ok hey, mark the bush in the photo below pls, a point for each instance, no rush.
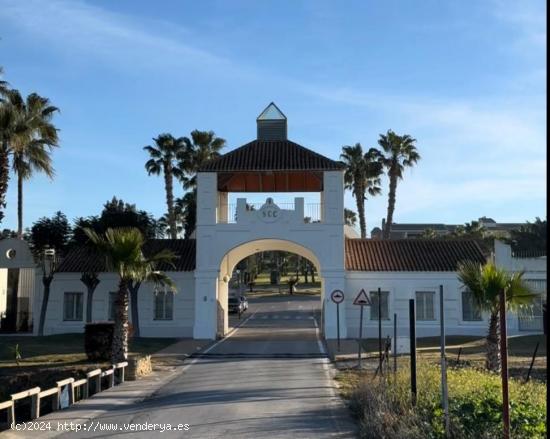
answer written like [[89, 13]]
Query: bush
[[98, 338], [384, 408]]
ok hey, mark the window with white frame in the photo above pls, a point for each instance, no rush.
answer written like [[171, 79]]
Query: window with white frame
[[164, 305], [425, 305], [112, 306], [531, 316], [471, 312], [73, 306], [384, 305]]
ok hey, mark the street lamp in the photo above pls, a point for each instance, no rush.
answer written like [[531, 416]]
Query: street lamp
[[49, 261]]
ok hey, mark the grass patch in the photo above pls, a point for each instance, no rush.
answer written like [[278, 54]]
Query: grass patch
[[383, 406], [64, 348], [54, 357]]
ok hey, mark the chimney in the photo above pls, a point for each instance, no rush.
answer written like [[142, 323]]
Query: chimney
[[271, 124]]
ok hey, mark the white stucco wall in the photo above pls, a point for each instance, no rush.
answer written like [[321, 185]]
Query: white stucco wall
[[180, 326], [322, 242]]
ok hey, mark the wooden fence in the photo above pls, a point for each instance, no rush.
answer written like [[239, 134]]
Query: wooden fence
[[65, 387]]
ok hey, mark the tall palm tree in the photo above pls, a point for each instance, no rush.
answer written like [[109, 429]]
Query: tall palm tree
[[401, 153], [123, 252], [362, 177], [165, 155], [186, 208], [202, 147], [33, 143], [485, 282], [8, 129]]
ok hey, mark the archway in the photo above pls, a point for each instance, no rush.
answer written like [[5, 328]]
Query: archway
[[236, 254]]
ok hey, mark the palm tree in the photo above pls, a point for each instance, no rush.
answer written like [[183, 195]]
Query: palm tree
[[485, 283], [164, 158], [201, 148], [32, 143], [350, 217], [186, 208], [362, 176], [123, 252], [8, 127], [401, 153]]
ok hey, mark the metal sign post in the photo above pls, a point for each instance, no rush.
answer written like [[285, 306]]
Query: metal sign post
[[361, 300], [412, 331], [504, 368], [380, 329], [337, 296], [444, 390]]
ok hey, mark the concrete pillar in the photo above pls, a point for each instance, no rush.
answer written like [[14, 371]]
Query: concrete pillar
[[206, 286], [333, 197], [207, 198], [223, 207], [299, 209]]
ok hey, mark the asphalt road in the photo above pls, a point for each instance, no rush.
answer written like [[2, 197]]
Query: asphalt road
[[269, 379]]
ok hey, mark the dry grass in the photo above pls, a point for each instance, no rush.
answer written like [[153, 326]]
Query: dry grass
[[383, 406], [472, 354]]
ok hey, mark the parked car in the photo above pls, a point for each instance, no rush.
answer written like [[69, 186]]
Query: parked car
[[235, 305], [244, 301]]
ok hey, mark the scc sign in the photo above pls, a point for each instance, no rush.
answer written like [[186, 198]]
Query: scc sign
[[269, 212]]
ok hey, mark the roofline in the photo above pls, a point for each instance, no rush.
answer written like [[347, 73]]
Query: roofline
[[340, 165]]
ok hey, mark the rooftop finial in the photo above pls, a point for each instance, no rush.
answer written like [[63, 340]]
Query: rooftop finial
[[271, 124]]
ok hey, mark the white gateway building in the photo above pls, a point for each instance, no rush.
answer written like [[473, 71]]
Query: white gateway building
[[229, 230]]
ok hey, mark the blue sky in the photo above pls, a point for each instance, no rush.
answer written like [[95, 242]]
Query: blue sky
[[467, 79]]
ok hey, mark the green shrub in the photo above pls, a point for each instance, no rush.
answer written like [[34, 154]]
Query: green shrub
[[475, 405], [98, 338]]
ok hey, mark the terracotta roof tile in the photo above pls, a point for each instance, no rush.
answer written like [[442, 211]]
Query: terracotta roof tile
[[279, 155], [85, 259], [410, 254]]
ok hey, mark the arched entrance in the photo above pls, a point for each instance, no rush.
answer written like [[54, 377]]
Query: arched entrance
[[229, 230], [237, 254]]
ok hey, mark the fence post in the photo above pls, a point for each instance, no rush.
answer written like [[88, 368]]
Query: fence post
[[395, 343], [412, 329], [9, 406]]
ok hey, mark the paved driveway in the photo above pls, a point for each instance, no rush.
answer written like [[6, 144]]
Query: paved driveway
[[268, 379]]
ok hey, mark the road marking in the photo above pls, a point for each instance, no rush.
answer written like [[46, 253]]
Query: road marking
[[216, 344]]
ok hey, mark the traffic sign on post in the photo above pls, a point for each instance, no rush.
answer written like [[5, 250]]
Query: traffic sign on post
[[337, 296], [362, 299]]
